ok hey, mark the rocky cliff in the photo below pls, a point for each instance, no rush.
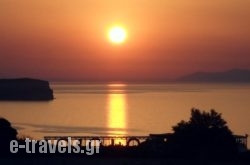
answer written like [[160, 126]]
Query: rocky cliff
[[25, 89]]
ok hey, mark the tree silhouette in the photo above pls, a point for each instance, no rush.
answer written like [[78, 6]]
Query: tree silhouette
[[206, 134], [7, 133]]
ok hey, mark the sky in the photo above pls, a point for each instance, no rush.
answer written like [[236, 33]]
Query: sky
[[64, 40]]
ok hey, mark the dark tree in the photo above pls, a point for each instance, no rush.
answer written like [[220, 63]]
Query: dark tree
[[205, 135], [7, 133]]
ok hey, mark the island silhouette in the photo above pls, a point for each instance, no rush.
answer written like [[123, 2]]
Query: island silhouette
[[25, 89], [229, 76]]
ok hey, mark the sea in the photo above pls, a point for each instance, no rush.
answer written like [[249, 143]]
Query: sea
[[121, 109]]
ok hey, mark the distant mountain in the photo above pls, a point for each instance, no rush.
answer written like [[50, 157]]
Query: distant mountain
[[231, 76]]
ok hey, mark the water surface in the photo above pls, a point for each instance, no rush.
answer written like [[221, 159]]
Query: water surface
[[126, 109]]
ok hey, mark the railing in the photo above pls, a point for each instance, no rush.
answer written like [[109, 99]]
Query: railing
[[126, 140], [105, 140], [241, 140]]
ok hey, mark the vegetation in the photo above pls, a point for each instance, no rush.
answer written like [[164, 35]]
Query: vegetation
[[205, 135], [7, 133]]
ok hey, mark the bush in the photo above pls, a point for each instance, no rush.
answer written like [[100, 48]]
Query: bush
[[205, 135], [7, 133]]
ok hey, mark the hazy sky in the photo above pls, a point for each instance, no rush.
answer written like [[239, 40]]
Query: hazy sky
[[67, 39]]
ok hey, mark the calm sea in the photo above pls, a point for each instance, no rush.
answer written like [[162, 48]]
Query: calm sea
[[126, 109]]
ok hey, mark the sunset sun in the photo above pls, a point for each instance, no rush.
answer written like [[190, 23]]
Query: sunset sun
[[117, 35]]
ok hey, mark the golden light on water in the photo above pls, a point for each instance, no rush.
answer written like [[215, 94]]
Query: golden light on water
[[117, 113]]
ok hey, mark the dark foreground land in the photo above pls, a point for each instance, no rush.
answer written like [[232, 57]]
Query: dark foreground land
[[117, 161], [195, 142]]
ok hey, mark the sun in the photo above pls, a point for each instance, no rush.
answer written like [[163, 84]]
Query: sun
[[117, 34]]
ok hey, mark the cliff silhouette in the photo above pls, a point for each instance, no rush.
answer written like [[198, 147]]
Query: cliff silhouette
[[25, 89]]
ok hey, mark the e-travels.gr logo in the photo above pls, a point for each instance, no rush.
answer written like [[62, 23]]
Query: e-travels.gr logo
[[62, 146]]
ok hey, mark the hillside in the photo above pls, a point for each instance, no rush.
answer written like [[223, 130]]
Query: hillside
[[231, 76]]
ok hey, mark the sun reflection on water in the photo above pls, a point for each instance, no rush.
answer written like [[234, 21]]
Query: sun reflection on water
[[117, 112]]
